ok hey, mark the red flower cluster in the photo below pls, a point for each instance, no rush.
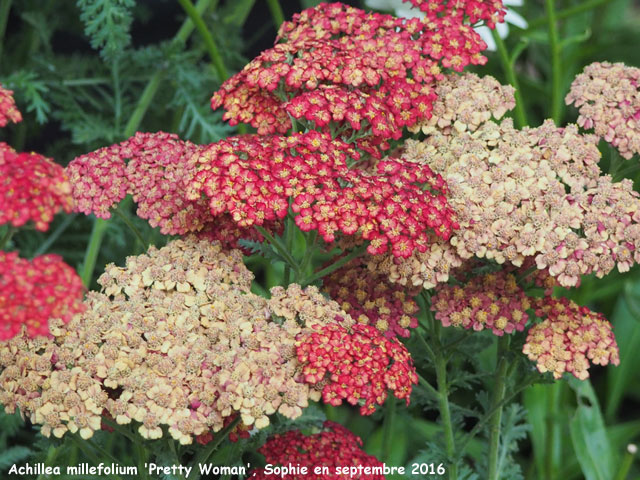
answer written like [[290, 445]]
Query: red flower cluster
[[254, 179], [8, 110], [34, 292], [351, 70], [371, 299], [490, 301], [358, 365], [334, 446], [489, 11], [569, 338], [32, 187]]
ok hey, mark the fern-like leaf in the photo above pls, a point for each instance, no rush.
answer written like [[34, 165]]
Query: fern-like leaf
[[107, 24]]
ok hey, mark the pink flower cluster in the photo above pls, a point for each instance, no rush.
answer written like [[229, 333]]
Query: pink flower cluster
[[32, 188], [489, 11], [34, 292], [371, 299], [492, 301], [333, 446], [607, 97], [569, 338], [356, 364], [8, 110], [255, 179]]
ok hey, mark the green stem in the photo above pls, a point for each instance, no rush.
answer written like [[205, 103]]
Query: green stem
[[141, 455], [174, 454], [276, 12], [68, 220], [310, 247], [143, 104], [93, 248], [425, 383], [5, 7], [84, 446], [567, 12], [556, 67], [4, 241], [334, 266], [279, 246], [388, 427], [445, 412], [212, 48], [498, 397], [120, 429], [132, 227], [204, 454], [487, 416], [626, 463], [507, 66], [52, 453]]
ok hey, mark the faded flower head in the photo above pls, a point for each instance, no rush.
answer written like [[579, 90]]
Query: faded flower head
[[35, 292], [569, 339], [537, 193], [607, 97], [8, 110], [176, 340], [333, 446], [32, 188], [493, 301]]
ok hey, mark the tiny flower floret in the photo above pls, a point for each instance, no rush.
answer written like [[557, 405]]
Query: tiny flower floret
[[8, 110]]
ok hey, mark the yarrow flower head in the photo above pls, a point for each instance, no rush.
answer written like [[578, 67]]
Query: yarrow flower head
[[569, 339], [32, 188], [254, 179], [333, 446], [35, 292], [607, 97], [177, 340], [372, 300], [493, 301], [340, 68], [535, 193], [8, 110]]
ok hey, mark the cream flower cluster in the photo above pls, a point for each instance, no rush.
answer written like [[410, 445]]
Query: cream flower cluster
[[176, 342], [535, 193], [607, 97]]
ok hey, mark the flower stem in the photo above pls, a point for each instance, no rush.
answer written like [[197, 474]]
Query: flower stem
[[445, 411], [334, 266], [276, 12], [132, 227], [280, 247], [497, 403], [556, 67], [388, 428], [212, 48], [93, 248], [5, 7], [55, 235], [4, 241], [507, 66], [213, 445], [568, 12], [626, 463]]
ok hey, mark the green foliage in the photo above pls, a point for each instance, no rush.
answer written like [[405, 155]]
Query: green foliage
[[107, 23]]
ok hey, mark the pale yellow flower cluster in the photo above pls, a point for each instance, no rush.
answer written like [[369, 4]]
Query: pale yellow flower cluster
[[535, 192], [176, 342], [607, 97], [464, 102]]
